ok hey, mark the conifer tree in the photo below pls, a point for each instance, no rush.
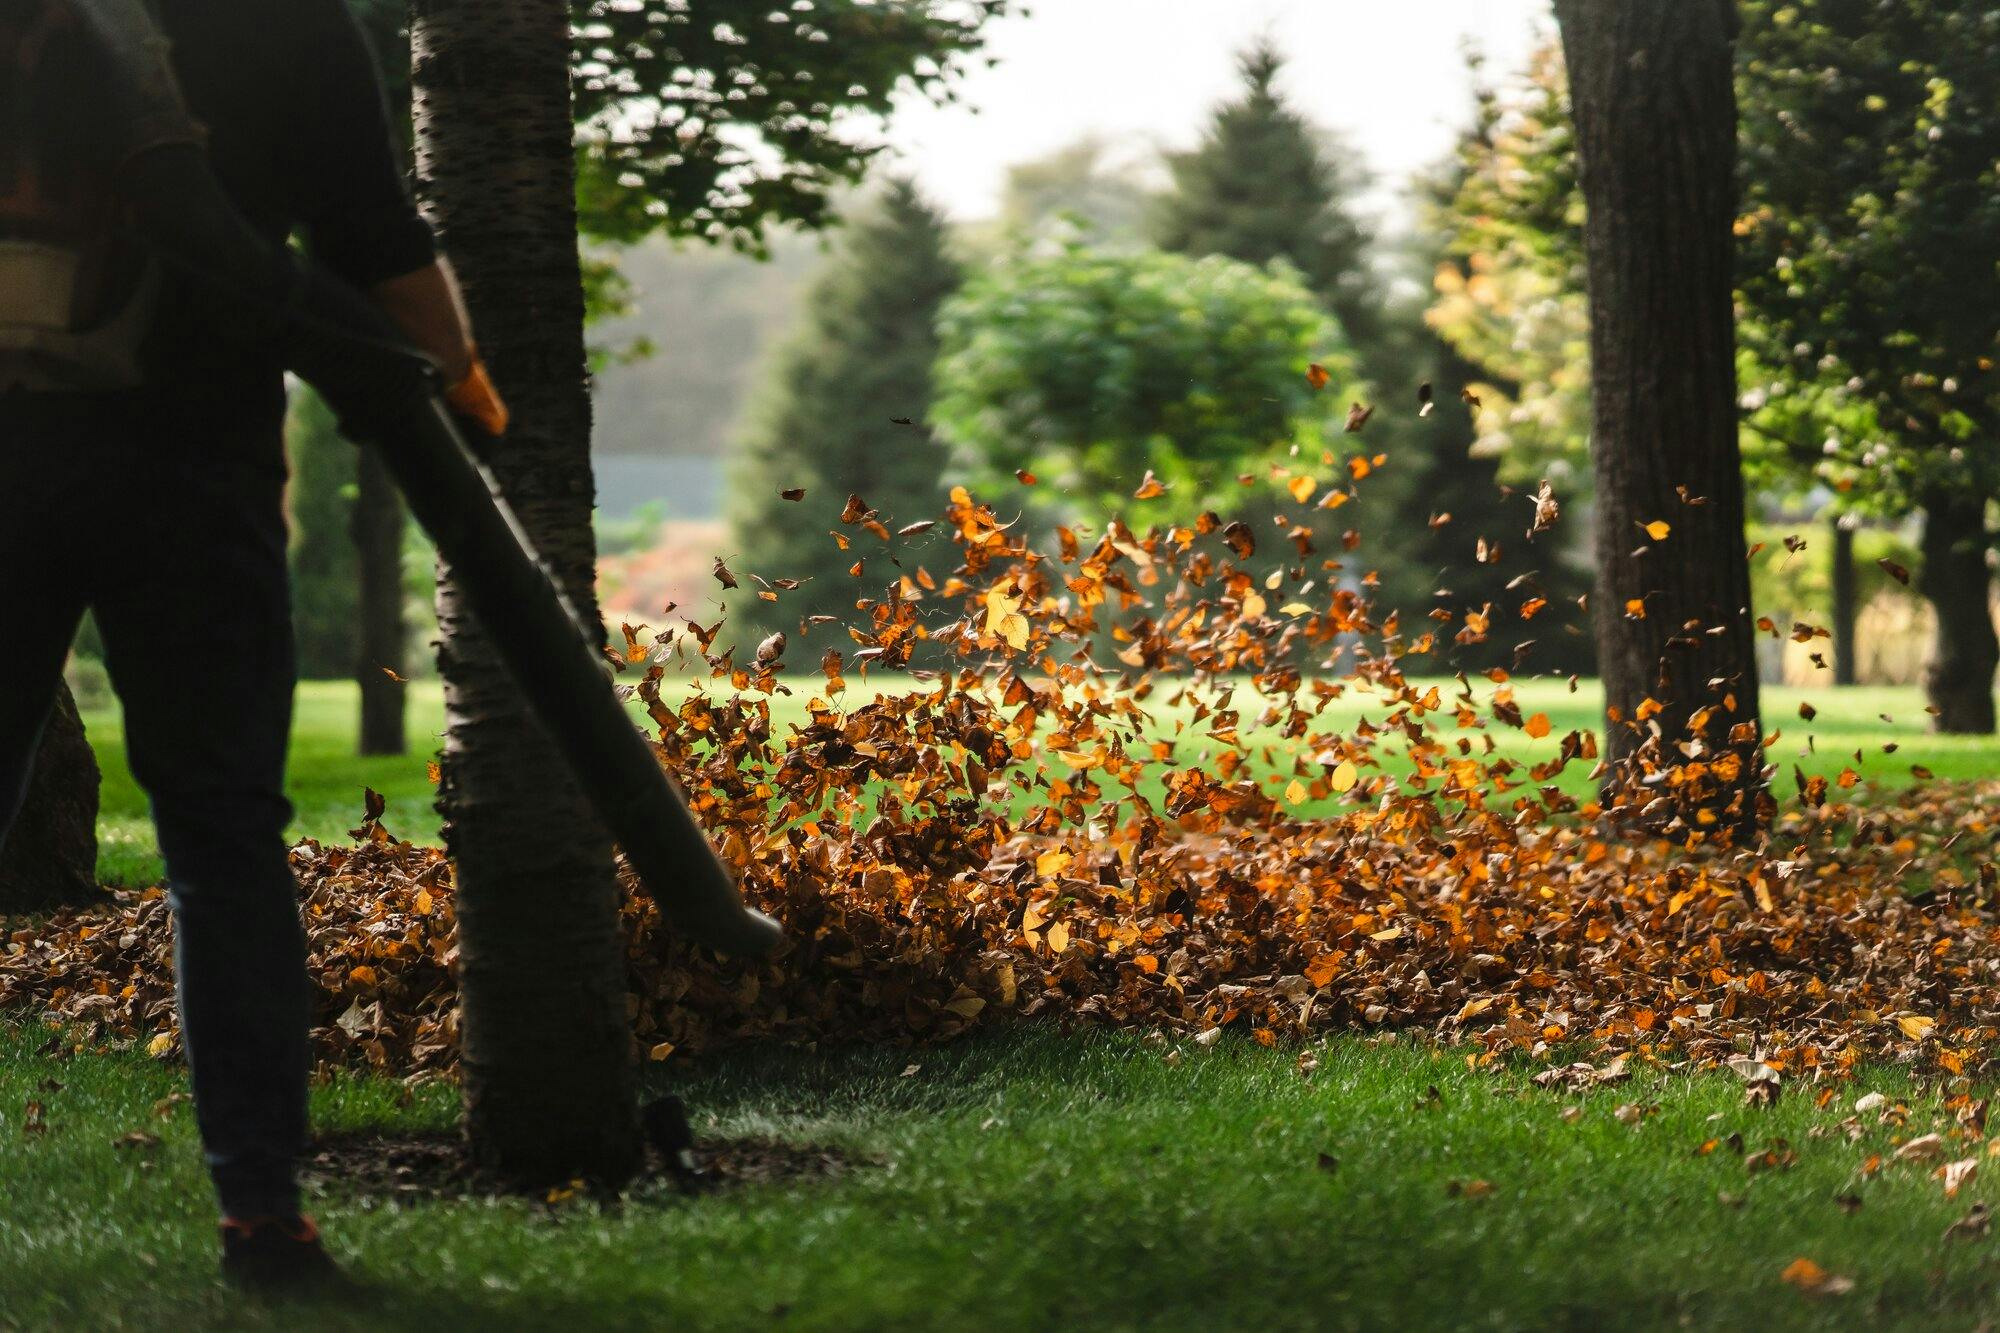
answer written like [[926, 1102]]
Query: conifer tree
[[1261, 185], [841, 415]]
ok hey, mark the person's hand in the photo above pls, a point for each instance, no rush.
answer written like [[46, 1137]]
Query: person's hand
[[476, 400]]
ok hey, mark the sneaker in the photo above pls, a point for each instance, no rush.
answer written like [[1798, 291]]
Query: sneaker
[[277, 1255]]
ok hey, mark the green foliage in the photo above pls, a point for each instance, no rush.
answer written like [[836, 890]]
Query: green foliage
[[325, 567], [1509, 289], [711, 118], [1870, 163], [826, 421], [1871, 155], [1090, 368]]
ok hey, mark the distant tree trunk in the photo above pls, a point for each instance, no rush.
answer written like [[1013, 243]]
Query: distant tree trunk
[[1655, 114], [546, 1043], [378, 542], [1958, 680], [50, 859], [1845, 604]]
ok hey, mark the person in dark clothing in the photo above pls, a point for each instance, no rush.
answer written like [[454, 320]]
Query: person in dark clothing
[[159, 508]]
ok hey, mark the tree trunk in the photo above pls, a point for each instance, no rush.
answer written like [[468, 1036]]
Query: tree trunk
[[546, 1044], [50, 858], [377, 528], [1845, 604], [1958, 680], [1655, 115]]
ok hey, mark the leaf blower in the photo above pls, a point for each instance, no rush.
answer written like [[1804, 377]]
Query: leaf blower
[[73, 288]]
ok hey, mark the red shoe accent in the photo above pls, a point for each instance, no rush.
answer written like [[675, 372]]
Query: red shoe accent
[[300, 1228]]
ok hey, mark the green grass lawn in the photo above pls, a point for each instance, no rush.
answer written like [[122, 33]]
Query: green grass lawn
[[1031, 1180], [1037, 1181], [327, 778]]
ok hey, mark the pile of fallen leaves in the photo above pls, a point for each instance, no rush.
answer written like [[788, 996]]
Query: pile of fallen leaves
[[1565, 939], [1114, 796]]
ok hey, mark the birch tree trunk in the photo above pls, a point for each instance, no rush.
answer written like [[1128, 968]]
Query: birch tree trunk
[[547, 1047]]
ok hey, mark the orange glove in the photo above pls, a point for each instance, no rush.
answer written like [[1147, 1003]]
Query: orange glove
[[475, 399]]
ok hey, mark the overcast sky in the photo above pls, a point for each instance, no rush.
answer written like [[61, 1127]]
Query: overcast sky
[[1389, 74]]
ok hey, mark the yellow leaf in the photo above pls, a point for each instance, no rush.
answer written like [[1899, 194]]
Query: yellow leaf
[[160, 1045], [1915, 1027], [661, 1052], [1058, 937], [423, 902], [1657, 529], [1302, 488], [1537, 726], [1296, 792], [1345, 776]]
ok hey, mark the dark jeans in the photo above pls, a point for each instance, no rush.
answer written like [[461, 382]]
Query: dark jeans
[[165, 515]]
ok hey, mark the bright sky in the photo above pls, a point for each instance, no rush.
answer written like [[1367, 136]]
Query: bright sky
[[1389, 74]]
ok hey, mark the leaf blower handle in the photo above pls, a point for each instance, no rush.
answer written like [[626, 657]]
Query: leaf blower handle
[[389, 396]]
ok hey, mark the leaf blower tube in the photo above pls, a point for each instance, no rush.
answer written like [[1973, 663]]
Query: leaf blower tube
[[386, 395]]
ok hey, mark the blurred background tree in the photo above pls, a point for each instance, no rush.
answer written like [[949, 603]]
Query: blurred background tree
[[1087, 187], [1090, 369], [826, 422], [1266, 184]]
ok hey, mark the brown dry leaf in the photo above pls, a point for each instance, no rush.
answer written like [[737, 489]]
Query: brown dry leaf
[[1923, 1148]]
